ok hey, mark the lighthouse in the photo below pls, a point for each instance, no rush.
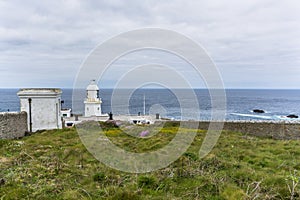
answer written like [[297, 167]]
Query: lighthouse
[[93, 101]]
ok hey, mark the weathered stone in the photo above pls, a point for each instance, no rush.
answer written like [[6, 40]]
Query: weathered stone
[[13, 125], [276, 130]]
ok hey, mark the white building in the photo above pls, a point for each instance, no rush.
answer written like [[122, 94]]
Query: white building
[[66, 112], [43, 107], [93, 101]]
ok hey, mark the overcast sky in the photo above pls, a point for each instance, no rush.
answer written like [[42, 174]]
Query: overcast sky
[[254, 43]]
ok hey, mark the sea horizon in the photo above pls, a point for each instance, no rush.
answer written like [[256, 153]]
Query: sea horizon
[[240, 103]]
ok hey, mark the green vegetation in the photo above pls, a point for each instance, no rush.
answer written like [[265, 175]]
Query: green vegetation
[[56, 165]]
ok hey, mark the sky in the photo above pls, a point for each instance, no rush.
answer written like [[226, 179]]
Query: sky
[[253, 43]]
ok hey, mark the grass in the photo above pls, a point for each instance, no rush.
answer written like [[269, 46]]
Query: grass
[[55, 165]]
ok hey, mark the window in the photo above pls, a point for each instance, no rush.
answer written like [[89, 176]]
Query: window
[[69, 124]]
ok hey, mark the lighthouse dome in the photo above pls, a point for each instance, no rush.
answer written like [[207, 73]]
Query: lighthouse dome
[[92, 86]]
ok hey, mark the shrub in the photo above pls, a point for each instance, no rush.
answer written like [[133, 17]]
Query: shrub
[[232, 192], [99, 177], [126, 195], [191, 156], [147, 181], [109, 125]]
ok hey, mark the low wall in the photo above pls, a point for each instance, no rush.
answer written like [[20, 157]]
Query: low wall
[[13, 125], [276, 130]]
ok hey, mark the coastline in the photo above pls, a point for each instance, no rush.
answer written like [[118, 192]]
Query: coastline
[[277, 129]]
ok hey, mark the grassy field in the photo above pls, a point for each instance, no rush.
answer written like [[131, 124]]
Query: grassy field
[[56, 165]]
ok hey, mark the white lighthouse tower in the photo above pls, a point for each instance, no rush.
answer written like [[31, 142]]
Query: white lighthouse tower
[[93, 101]]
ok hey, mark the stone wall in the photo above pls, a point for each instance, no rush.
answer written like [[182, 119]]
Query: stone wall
[[276, 130], [13, 125]]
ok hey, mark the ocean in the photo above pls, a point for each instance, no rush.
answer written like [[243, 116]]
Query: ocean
[[240, 103]]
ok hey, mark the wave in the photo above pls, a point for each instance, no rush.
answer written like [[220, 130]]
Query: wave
[[273, 117], [253, 116], [265, 111], [285, 118]]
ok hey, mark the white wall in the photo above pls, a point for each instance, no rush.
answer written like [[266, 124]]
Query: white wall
[[66, 113], [45, 110], [92, 109]]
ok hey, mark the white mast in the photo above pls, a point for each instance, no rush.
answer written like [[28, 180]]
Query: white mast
[[144, 105]]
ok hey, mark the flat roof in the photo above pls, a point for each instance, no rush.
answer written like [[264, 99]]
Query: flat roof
[[39, 92]]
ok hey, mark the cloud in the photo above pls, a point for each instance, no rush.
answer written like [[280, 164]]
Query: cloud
[[43, 43]]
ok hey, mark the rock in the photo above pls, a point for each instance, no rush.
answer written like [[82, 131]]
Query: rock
[[258, 111], [292, 116]]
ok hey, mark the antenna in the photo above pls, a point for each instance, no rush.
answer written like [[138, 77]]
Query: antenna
[[144, 105]]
